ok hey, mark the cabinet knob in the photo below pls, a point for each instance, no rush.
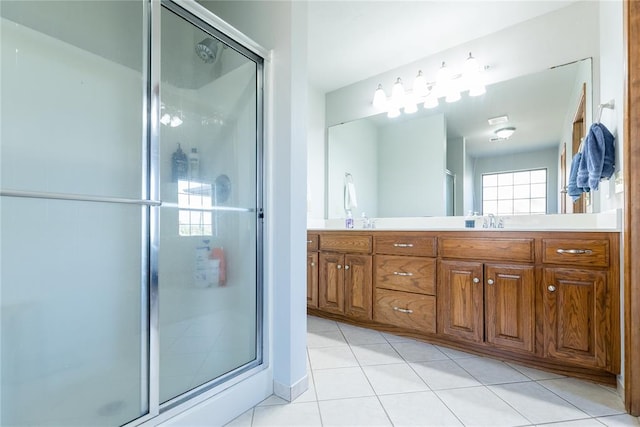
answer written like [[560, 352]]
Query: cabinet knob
[[490, 281], [346, 267], [476, 280], [339, 267], [313, 264], [551, 288], [309, 241]]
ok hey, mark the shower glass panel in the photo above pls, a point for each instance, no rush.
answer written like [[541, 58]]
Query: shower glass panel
[[208, 242], [73, 346]]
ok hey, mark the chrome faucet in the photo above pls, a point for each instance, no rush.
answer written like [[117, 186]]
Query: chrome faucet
[[492, 221], [366, 223]]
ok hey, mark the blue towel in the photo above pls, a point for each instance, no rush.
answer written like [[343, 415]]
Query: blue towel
[[598, 157], [572, 188]]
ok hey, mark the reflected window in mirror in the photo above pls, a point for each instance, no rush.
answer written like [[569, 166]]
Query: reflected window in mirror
[[515, 193]]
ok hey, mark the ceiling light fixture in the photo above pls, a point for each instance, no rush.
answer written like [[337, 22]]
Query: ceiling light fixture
[[446, 85], [505, 133]]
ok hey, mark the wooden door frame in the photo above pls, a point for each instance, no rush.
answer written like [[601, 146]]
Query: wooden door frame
[[631, 177]]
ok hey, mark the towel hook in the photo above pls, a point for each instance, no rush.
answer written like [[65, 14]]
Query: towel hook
[[611, 105]]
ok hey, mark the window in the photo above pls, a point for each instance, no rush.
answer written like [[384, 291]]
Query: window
[[515, 193], [194, 208]]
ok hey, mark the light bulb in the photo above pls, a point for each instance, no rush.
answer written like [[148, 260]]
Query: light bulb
[[420, 88], [165, 119], [431, 101], [397, 94], [379, 98], [175, 121], [443, 81], [393, 112], [410, 106], [473, 76]]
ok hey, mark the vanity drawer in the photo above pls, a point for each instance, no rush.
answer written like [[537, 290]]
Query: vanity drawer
[[406, 245], [510, 249], [345, 243], [405, 273], [576, 252], [411, 311], [312, 242]]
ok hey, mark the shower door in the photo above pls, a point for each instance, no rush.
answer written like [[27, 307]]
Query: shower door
[[209, 225], [73, 213], [130, 210]]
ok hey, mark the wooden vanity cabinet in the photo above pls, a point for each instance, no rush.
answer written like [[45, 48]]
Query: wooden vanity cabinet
[[484, 302], [490, 303], [345, 279], [548, 299], [580, 300], [312, 270], [405, 281]]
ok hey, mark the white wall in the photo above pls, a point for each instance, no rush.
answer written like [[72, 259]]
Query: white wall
[[411, 168], [353, 149], [455, 163], [612, 72], [547, 158], [315, 156]]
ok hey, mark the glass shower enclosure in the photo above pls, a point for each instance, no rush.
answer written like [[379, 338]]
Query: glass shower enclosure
[[130, 210]]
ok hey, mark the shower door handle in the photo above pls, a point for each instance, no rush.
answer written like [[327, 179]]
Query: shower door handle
[[79, 198]]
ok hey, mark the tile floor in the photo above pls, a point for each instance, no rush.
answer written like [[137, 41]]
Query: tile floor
[[360, 377]]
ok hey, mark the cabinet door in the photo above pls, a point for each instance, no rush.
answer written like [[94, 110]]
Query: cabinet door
[[460, 295], [576, 316], [510, 306], [312, 279], [358, 286], [331, 283]]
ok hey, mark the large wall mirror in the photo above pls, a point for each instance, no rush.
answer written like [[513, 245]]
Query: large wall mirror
[[432, 162]]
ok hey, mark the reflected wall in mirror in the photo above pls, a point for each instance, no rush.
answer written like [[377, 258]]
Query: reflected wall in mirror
[[403, 167]]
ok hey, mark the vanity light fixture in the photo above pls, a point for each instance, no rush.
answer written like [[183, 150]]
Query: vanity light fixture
[[446, 85], [505, 133]]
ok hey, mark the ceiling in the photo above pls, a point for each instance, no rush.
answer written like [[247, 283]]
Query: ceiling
[[352, 40]]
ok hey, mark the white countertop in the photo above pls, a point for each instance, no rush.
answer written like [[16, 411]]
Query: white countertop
[[604, 222]]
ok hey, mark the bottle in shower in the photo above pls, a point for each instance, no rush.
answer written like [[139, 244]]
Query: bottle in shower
[[194, 164]]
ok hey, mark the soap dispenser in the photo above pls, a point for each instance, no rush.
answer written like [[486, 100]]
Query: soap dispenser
[[348, 222]]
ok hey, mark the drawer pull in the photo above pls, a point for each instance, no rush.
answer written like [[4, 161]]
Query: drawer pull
[[403, 310], [574, 251], [309, 241], [403, 245], [402, 273]]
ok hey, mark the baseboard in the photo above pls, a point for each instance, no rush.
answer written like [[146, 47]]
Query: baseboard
[[291, 393]]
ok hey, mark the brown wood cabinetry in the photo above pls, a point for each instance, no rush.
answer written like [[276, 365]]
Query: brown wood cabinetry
[[405, 281], [547, 299], [345, 279], [488, 303], [581, 302], [312, 279], [312, 270]]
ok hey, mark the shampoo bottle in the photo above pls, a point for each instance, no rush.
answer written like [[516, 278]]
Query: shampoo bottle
[[194, 164]]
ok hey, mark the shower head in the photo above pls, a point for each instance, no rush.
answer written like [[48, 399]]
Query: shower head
[[207, 50]]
